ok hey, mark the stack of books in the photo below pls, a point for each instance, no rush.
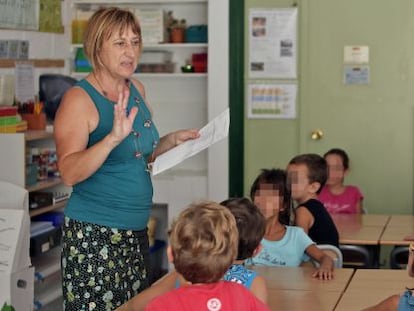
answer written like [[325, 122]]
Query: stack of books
[[9, 120]]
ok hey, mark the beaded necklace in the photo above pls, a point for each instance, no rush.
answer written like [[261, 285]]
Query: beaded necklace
[[147, 124]]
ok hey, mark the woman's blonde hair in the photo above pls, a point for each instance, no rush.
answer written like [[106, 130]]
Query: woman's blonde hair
[[204, 242], [101, 25]]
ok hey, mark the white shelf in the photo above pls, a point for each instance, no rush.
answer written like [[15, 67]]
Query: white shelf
[[49, 208], [47, 183], [48, 295], [161, 45], [137, 1], [47, 264], [153, 75]]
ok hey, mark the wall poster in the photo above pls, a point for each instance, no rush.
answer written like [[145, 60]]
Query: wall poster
[[19, 14], [272, 100], [272, 43]]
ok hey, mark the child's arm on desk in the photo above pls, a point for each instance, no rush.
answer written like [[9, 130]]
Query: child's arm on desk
[[259, 288], [325, 270], [410, 264]]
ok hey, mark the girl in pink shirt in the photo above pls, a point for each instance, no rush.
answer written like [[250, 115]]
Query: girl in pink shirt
[[337, 197]]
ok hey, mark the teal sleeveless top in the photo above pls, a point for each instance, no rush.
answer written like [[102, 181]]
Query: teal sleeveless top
[[119, 193]]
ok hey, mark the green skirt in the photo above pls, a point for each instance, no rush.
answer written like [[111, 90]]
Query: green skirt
[[102, 267]]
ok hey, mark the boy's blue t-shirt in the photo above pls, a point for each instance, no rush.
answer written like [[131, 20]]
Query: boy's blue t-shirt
[[288, 252]]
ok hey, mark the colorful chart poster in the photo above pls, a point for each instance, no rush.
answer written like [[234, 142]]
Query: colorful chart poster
[[272, 101]]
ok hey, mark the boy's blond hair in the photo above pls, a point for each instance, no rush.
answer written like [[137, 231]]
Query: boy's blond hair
[[204, 241]]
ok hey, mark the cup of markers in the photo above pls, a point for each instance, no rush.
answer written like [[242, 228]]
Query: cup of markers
[[33, 113]]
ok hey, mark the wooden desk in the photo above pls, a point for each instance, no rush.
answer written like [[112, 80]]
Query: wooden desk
[[370, 286], [402, 221], [300, 278], [345, 220], [395, 235], [398, 227], [360, 229], [299, 300]]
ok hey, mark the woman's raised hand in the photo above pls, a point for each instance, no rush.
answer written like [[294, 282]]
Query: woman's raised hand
[[122, 119]]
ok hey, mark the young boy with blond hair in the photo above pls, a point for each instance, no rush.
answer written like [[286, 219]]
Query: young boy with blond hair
[[203, 245]]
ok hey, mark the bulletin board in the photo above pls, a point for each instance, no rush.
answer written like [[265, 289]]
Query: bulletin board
[[19, 14]]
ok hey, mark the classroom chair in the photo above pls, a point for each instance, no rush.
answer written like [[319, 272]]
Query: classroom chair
[[399, 257], [52, 87], [332, 251], [356, 256]]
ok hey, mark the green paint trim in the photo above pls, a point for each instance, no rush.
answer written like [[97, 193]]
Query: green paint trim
[[236, 100]]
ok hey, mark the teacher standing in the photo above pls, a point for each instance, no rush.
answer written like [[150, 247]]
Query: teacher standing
[[105, 138]]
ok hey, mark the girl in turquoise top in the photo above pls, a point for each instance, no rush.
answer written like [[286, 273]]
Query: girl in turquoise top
[[105, 139]]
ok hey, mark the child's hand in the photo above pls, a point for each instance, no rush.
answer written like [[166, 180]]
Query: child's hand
[[323, 274]]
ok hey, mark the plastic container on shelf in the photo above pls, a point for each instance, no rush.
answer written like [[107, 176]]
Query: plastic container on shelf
[[6, 90], [196, 34], [78, 29]]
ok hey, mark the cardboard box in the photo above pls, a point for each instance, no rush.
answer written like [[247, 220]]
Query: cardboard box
[[17, 289]]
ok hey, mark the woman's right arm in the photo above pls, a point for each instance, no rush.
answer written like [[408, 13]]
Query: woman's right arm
[[72, 126]]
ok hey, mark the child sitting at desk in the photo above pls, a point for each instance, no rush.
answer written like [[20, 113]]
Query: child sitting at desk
[[403, 302], [283, 245], [307, 175], [203, 245], [251, 227], [335, 196]]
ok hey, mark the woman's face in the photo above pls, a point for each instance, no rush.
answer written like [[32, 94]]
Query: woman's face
[[268, 200], [120, 53]]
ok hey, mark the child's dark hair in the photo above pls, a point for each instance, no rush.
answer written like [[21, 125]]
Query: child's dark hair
[[317, 168], [340, 153], [250, 223], [278, 179]]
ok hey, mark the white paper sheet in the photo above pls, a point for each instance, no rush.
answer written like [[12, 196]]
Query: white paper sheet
[[213, 132]]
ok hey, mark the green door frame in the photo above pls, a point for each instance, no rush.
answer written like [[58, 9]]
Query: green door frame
[[236, 100]]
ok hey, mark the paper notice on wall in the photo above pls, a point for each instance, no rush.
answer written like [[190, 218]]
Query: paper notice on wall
[[213, 132], [272, 43], [24, 82]]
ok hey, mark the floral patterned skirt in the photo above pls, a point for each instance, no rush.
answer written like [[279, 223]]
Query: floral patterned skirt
[[102, 267]]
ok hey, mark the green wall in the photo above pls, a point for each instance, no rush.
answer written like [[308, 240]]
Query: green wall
[[373, 122], [267, 143]]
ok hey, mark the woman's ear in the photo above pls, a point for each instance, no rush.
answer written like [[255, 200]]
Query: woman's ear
[[170, 254]]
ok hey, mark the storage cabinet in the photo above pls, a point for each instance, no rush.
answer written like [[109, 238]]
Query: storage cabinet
[[13, 169]]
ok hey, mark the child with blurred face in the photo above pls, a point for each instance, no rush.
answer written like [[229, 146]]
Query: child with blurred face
[[283, 245]]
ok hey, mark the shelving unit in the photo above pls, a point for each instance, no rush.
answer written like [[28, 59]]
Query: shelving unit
[[38, 63], [12, 168]]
